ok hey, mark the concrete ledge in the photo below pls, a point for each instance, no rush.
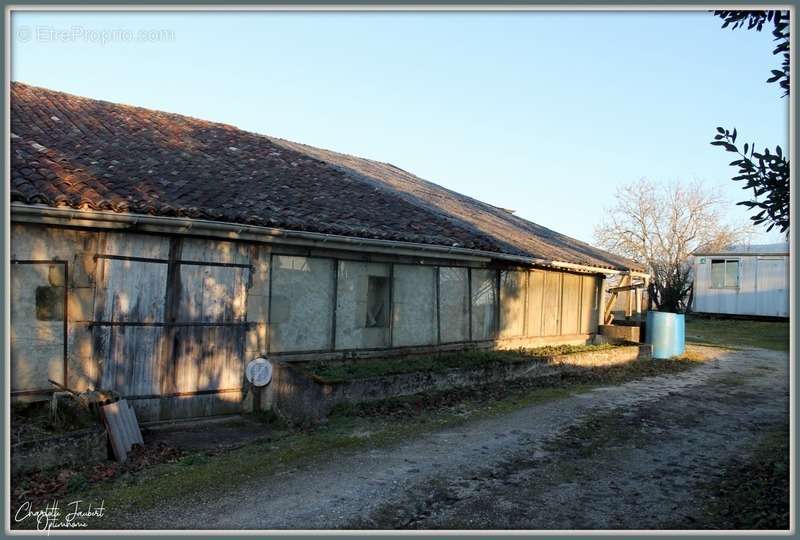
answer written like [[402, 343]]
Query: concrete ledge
[[302, 398], [74, 448], [615, 333], [491, 344]]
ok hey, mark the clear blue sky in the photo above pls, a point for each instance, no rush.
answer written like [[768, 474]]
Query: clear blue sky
[[545, 113]]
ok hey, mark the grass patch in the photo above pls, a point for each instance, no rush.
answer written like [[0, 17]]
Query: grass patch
[[621, 373], [332, 372], [594, 434], [753, 493], [738, 333]]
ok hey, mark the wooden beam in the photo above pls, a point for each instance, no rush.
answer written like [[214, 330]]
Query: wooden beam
[[626, 287], [609, 307]]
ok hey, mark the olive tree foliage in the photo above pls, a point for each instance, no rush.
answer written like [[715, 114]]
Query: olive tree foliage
[[659, 226], [765, 173]]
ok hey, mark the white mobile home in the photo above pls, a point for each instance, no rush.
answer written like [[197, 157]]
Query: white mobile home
[[743, 280]]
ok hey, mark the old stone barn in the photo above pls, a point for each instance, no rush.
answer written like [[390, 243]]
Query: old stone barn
[[156, 254]]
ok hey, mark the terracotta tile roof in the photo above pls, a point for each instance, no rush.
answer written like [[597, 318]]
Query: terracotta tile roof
[[78, 152]]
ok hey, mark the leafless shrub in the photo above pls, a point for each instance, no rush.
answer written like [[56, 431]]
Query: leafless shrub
[[660, 225]]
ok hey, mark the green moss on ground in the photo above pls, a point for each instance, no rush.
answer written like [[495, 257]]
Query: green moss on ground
[[738, 333], [338, 371], [753, 493]]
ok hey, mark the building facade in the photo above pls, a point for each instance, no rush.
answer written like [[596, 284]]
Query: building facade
[[743, 280], [155, 255]]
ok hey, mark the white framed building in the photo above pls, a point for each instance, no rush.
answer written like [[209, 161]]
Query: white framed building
[[742, 280]]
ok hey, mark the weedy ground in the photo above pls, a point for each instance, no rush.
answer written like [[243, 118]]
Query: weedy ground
[[371, 425], [363, 369], [358, 429], [738, 333]]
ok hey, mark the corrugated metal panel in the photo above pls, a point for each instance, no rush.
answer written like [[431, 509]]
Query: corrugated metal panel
[[123, 428], [762, 288], [772, 298]]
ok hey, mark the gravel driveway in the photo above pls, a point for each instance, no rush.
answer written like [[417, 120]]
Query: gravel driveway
[[624, 457]]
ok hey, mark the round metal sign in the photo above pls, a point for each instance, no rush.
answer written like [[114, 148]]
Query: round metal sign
[[259, 372]]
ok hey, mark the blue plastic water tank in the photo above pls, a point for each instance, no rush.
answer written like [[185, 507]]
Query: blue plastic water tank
[[666, 333]]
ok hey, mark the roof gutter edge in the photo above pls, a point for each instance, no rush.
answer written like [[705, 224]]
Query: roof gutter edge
[[743, 254], [21, 212]]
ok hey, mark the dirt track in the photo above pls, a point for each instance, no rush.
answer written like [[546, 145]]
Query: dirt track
[[631, 456]]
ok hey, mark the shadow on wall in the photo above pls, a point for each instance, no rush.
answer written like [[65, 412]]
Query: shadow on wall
[[126, 351]]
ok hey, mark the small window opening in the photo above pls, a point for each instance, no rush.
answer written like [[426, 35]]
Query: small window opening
[[724, 273], [50, 303], [377, 302]]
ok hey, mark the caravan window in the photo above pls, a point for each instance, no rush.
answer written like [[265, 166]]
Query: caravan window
[[724, 273]]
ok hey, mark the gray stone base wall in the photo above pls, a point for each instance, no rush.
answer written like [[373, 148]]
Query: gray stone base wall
[[302, 398], [76, 448]]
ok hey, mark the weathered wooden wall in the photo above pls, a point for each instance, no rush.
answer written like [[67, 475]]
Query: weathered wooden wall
[[171, 321]]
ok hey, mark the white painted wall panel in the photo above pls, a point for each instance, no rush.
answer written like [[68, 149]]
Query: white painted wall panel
[[763, 287]]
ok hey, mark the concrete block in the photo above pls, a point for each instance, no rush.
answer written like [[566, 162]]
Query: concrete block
[[617, 333]]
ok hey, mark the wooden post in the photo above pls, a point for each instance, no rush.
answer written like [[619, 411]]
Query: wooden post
[[601, 304]]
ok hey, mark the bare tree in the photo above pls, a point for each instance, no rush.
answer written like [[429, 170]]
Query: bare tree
[[660, 226]]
